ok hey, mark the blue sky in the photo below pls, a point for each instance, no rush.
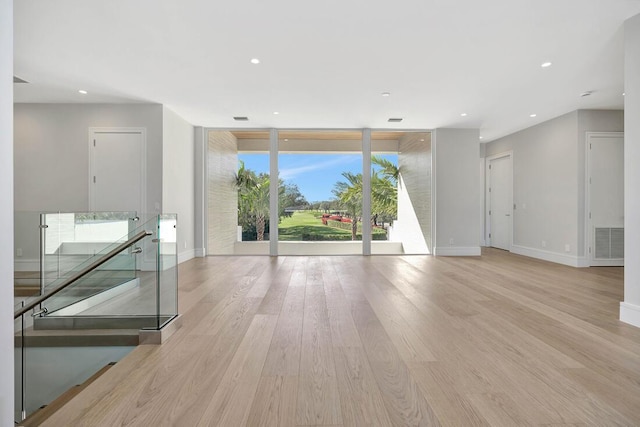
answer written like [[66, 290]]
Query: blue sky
[[315, 174]]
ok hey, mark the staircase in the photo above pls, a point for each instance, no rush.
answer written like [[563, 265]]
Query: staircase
[[46, 411], [94, 310]]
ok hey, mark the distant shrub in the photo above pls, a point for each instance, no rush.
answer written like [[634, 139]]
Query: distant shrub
[[307, 237]]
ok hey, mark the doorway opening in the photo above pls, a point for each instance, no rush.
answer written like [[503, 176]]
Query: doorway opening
[[605, 198], [499, 194]]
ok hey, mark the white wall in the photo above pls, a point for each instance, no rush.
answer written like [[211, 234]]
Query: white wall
[[545, 188], [413, 227], [549, 183], [6, 213], [51, 159], [52, 152], [457, 191], [178, 175], [630, 308], [222, 195]]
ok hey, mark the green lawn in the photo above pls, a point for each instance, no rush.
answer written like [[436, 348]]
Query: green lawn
[[307, 225]]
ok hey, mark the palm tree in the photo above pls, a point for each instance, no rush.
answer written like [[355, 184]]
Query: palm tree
[[244, 181], [387, 168], [350, 196], [384, 187], [260, 199], [253, 198]]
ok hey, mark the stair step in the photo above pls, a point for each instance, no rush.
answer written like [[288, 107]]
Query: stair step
[[79, 338], [99, 322], [46, 411], [26, 290]]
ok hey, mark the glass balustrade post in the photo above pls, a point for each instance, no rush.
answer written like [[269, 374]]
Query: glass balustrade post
[[158, 272], [23, 379]]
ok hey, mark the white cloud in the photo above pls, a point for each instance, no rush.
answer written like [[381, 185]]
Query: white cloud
[[290, 173]]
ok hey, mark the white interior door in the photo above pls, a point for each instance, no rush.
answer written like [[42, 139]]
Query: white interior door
[[500, 202], [606, 199], [117, 170]]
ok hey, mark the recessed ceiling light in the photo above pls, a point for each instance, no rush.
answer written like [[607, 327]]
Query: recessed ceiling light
[[464, 114], [532, 115], [84, 92], [481, 137], [385, 94], [276, 113], [255, 61], [623, 93], [545, 64]]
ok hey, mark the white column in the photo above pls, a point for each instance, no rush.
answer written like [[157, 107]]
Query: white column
[[6, 213], [200, 183], [630, 308], [457, 191], [273, 192], [366, 192]]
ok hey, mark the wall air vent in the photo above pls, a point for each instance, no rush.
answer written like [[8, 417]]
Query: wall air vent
[[241, 118], [395, 120], [609, 243], [19, 80]]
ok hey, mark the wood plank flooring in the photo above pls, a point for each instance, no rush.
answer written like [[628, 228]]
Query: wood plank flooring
[[496, 340]]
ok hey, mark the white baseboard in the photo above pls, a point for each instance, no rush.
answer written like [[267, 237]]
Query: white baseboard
[[200, 252], [186, 255], [26, 264], [630, 313], [608, 262], [457, 251], [558, 258], [583, 261]]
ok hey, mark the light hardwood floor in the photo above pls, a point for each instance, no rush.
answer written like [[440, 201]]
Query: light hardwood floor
[[498, 340]]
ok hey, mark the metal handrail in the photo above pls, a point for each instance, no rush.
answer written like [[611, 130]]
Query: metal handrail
[[84, 272]]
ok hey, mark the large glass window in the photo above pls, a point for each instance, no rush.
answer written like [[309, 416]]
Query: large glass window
[[401, 192], [384, 191], [238, 192], [320, 192]]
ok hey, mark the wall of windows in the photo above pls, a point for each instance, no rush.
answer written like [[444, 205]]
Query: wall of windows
[[321, 201]]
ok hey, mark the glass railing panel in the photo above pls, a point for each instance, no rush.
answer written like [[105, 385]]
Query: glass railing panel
[[27, 251], [46, 366], [95, 294], [70, 238], [167, 267], [140, 294], [19, 354]]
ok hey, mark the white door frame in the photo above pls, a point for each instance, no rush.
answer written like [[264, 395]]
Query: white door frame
[[590, 136], [143, 163], [487, 196]]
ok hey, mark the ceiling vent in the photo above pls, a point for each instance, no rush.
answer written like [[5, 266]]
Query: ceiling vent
[[19, 80], [395, 120], [241, 118]]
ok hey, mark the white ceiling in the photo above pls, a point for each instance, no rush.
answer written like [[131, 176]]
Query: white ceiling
[[324, 64]]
